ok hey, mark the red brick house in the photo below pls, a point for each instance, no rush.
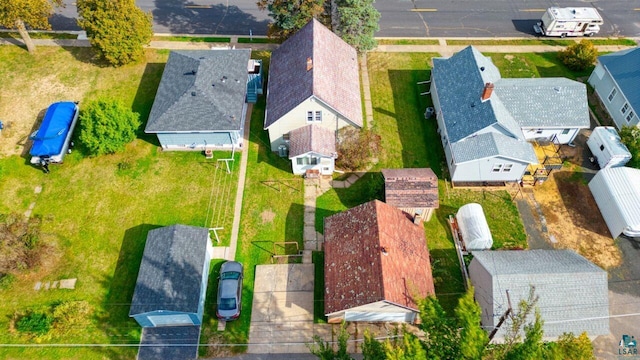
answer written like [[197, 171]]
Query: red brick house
[[376, 265]]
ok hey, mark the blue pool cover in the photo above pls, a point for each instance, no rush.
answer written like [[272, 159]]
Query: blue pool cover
[[50, 138]]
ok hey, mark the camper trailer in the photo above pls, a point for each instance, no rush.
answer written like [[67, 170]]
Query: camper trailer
[[607, 148], [574, 21], [53, 139]]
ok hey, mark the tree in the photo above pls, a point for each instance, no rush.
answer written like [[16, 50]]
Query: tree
[[118, 29], [106, 126], [473, 338], [18, 14], [357, 22], [570, 347], [630, 136], [441, 338], [290, 16], [356, 148], [579, 56], [410, 348], [324, 350]]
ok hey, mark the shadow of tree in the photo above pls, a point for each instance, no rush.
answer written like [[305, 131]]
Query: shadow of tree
[[577, 199], [187, 17], [145, 96]]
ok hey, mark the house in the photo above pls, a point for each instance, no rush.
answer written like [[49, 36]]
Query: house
[[572, 292], [312, 149], [617, 194], [486, 122], [201, 101], [607, 147], [172, 280], [414, 191], [615, 79], [376, 265], [313, 79]]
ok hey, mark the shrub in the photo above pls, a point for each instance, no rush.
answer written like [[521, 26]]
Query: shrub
[[70, 316], [356, 148], [38, 323], [106, 126], [6, 280], [630, 136], [579, 56]]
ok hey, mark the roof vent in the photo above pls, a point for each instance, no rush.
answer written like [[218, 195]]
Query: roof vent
[[383, 250], [309, 63], [224, 79], [193, 93], [556, 88], [481, 68]]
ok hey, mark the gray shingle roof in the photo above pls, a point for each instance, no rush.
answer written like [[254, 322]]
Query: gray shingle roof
[[624, 67], [334, 78], [188, 337], [548, 102], [572, 291], [312, 138], [211, 99], [170, 275], [492, 144]]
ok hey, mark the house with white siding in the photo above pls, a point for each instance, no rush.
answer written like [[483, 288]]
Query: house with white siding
[[486, 123], [615, 79]]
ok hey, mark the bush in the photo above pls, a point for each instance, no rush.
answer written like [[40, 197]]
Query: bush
[[356, 148], [71, 316], [579, 56], [106, 126], [6, 280], [630, 136], [37, 323]]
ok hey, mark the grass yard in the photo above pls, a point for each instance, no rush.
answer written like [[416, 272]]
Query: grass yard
[[97, 211], [544, 41], [408, 41], [535, 65], [192, 39]]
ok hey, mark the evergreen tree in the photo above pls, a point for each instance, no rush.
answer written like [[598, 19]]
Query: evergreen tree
[[18, 14], [357, 22], [290, 16]]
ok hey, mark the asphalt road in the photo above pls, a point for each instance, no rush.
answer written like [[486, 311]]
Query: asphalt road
[[400, 18]]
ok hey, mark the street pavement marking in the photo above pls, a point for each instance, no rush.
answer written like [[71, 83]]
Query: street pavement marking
[[198, 6], [533, 10], [636, 9], [424, 10]]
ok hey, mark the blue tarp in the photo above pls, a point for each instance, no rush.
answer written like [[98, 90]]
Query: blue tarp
[[50, 138]]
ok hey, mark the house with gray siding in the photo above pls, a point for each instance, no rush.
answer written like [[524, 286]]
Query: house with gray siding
[[486, 123], [172, 280], [615, 79], [572, 291], [313, 79], [201, 102]]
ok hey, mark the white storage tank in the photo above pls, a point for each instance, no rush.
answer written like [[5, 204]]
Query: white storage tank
[[473, 227], [607, 148]]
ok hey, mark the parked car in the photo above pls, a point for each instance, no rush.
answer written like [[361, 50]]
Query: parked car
[[229, 298]]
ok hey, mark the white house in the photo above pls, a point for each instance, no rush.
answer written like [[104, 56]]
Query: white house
[[615, 79], [313, 79], [485, 122]]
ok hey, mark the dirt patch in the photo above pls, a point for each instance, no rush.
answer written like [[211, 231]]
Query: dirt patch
[[574, 220], [509, 57], [267, 216]]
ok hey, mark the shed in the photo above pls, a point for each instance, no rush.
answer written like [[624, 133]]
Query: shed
[[414, 191], [573, 294], [376, 265], [607, 148], [172, 280], [473, 227], [617, 193]]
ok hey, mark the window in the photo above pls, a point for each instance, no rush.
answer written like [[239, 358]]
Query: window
[[507, 168], [300, 161], [285, 137], [318, 116], [565, 131], [497, 167], [625, 108], [630, 116], [314, 161], [539, 131], [309, 116], [612, 94]]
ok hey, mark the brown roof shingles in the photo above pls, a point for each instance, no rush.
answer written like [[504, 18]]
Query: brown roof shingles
[[334, 78], [356, 270], [411, 188], [312, 138]]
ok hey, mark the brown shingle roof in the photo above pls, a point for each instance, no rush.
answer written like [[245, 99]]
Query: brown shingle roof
[[357, 272], [411, 188], [334, 77], [312, 138]]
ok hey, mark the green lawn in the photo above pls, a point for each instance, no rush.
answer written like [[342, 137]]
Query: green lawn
[[543, 41], [97, 211], [408, 42], [536, 65], [192, 39]]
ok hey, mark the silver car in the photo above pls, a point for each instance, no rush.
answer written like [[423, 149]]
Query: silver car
[[229, 291]]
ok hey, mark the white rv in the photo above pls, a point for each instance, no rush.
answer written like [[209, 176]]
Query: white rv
[[573, 21], [607, 148]]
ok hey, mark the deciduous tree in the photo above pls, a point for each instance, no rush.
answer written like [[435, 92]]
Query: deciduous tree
[[118, 29], [630, 136], [290, 16], [356, 23], [20, 14], [579, 56], [106, 126]]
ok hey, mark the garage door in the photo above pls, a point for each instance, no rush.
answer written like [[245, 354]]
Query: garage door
[[170, 320]]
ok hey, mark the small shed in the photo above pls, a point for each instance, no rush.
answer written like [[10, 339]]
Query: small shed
[[617, 193], [473, 227], [414, 191], [607, 148], [172, 280]]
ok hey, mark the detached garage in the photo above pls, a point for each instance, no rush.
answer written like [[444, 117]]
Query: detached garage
[[617, 193], [172, 280]]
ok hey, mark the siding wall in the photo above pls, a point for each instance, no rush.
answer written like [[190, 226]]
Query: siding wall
[[380, 311], [601, 80], [483, 292], [198, 141], [481, 170], [325, 164], [548, 133]]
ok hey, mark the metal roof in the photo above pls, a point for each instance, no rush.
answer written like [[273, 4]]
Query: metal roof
[[617, 193], [609, 136], [201, 90], [493, 144], [624, 67]]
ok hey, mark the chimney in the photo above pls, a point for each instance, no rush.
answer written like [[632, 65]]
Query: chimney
[[309, 63], [417, 219], [487, 91]]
